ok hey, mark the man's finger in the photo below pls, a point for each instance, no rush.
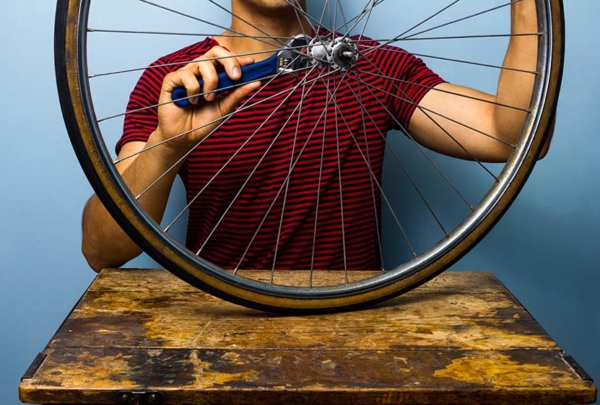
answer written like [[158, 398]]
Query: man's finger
[[231, 100]]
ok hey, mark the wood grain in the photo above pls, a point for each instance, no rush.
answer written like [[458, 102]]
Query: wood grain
[[461, 338]]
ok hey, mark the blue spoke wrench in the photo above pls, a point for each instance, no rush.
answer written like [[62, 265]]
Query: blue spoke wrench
[[289, 60]]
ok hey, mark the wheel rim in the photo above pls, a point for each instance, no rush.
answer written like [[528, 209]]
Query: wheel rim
[[80, 116]]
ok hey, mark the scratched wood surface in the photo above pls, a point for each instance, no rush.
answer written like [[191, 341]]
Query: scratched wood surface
[[459, 339]]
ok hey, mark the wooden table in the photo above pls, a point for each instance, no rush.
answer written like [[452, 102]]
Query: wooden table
[[145, 337]]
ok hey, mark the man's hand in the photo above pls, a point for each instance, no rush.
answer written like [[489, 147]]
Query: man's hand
[[183, 128]]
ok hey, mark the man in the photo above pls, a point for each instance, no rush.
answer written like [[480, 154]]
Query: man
[[277, 233]]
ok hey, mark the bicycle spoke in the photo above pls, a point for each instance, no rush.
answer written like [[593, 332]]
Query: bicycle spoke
[[207, 22], [183, 63], [462, 124], [355, 21], [319, 182], [468, 17], [235, 16], [398, 161], [285, 195], [286, 180], [420, 23], [444, 130], [340, 183], [261, 159], [463, 37], [383, 196], [466, 62], [183, 34], [367, 19], [402, 37], [374, 191], [374, 178], [422, 150]]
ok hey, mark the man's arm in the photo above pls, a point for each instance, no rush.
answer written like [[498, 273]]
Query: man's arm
[[462, 105], [104, 244]]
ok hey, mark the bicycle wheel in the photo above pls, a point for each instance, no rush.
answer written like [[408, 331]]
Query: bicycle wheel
[[452, 203]]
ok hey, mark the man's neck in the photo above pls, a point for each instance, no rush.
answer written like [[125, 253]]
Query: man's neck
[[260, 32]]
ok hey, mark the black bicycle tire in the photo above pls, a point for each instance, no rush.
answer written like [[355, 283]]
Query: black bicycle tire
[[77, 108]]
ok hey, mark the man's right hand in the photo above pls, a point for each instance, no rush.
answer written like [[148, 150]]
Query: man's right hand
[[183, 128]]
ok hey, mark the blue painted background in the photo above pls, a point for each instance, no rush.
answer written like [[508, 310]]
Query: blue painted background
[[546, 249]]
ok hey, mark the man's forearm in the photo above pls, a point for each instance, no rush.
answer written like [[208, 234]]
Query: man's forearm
[[516, 82], [104, 243]]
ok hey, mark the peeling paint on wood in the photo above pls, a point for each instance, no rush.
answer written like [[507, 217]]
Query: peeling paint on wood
[[462, 338]]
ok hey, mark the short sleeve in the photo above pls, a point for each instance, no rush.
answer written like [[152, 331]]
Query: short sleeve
[[409, 81], [142, 115]]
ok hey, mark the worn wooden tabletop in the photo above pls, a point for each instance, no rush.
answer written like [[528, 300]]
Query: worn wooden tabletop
[[145, 337]]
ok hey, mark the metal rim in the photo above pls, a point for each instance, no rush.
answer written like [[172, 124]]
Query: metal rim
[[77, 105]]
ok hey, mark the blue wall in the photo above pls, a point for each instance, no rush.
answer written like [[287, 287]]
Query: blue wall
[[546, 249]]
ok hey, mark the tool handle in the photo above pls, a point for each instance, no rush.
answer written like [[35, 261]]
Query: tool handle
[[250, 73]]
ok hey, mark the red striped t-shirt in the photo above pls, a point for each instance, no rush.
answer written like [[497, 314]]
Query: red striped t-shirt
[[292, 179]]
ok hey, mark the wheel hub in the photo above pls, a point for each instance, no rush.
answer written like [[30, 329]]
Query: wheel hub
[[340, 53]]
